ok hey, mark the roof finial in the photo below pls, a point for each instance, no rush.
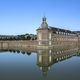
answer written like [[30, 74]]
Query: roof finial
[[44, 18]]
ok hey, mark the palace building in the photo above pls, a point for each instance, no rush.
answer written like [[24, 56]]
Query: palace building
[[48, 36]]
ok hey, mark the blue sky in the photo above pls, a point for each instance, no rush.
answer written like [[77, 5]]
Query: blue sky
[[25, 16]]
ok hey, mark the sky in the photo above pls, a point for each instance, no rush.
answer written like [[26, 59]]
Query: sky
[[25, 16]]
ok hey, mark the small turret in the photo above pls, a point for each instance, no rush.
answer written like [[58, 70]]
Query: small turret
[[44, 23]]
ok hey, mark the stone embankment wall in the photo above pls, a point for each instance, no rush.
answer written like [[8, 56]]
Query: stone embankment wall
[[16, 44], [32, 44]]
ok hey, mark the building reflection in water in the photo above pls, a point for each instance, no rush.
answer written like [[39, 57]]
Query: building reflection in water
[[46, 58]]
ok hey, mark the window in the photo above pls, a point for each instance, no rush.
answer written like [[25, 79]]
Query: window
[[39, 43], [39, 36], [56, 32], [49, 58], [50, 36], [40, 58], [49, 42]]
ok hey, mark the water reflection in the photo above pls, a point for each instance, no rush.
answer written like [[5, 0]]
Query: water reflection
[[46, 58]]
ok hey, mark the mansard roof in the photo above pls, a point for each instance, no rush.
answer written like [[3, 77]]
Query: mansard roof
[[59, 29]]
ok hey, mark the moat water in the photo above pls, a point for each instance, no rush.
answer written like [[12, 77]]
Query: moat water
[[39, 65]]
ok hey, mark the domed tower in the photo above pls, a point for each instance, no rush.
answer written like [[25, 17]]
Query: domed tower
[[44, 24], [43, 34]]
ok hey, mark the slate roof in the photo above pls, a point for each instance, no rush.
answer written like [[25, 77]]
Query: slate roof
[[62, 30]]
